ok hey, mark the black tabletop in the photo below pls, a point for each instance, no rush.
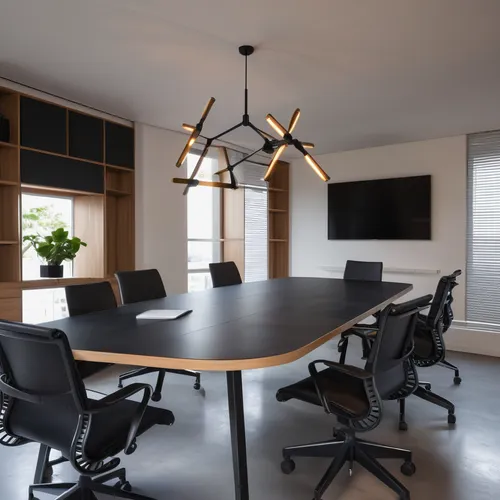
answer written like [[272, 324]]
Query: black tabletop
[[232, 328]]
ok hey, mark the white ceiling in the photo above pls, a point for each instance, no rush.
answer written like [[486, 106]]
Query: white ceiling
[[363, 72]]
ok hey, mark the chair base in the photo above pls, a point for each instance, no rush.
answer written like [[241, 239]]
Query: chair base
[[456, 380], [431, 397], [346, 448], [86, 487], [156, 396]]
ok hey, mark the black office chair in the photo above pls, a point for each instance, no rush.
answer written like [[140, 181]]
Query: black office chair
[[81, 299], [356, 270], [224, 274], [43, 400], [140, 286], [355, 396], [429, 343]]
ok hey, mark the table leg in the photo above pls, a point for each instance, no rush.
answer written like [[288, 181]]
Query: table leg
[[238, 440]]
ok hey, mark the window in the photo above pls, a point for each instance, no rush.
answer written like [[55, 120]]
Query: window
[[41, 215], [203, 208], [483, 232]]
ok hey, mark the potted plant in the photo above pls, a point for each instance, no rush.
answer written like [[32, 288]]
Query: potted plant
[[54, 250]]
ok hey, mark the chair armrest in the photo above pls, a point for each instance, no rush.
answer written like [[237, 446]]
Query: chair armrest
[[349, 370], [362, 331], [105, 403]]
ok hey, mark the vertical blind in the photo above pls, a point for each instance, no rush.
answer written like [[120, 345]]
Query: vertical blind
[[483, 229], [256, 221]]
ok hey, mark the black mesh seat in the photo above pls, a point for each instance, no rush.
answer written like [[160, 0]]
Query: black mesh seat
[[43, 400], [345, 392], [140, 286], [224, 274], [354, 395]]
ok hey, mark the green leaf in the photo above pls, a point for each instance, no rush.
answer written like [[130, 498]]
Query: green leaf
[[60, 235]]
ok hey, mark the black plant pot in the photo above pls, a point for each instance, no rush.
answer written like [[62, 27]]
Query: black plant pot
[[51, 271]]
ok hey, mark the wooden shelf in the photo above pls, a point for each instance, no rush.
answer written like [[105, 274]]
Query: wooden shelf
[[9, 242], [278, 210], [57, 282], [25, 148], [115, 167], [45, 190], [278, 190], [7, 145], [8, 183], [276, 240], [117, 192]]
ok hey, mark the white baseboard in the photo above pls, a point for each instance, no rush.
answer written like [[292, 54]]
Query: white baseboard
[[473, 341]]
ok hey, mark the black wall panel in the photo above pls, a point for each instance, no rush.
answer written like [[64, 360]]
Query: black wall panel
[[43, 126], [64, 173], [86, 136], [119, 145]]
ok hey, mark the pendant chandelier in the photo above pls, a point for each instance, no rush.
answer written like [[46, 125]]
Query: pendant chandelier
[[271, 145]]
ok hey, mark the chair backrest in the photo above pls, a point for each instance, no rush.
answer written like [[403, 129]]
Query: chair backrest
[[393, 345], [92, 297], [224, 274], [141, 285], [41, 393], [357, 270], [441, 309]]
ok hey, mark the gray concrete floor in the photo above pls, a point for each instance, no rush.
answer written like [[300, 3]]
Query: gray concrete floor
[[192, 459]]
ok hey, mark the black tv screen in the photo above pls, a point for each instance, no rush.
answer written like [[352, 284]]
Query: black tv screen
[[382, 209]]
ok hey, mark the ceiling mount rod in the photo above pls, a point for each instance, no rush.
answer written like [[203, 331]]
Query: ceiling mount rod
[[246, 50]]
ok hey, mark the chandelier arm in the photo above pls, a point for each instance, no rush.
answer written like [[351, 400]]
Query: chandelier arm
[[196, 182], [259, 132], [225, 132], [245, 158], [265, 134]]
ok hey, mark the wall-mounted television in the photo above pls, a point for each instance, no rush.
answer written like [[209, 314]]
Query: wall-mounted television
[[381, 209]]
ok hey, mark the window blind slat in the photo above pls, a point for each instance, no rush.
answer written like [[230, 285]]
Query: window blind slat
[[483, 230]]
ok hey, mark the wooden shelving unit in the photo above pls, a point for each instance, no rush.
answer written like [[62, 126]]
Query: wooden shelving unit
[[103, 209], [278, 206]]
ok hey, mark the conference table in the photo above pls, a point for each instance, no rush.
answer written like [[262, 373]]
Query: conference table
[[230, 329]]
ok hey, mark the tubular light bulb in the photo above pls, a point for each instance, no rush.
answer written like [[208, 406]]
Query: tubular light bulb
[[186, 150], [308, 145], [275, 159], [294, 120], [319, 171], [189, 128], [280, 130]]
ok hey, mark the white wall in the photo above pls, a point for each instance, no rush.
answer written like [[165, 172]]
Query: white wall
[[444, 159], [161, 209]]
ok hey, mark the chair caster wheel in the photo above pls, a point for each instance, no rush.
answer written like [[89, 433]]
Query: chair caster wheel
[[197, 386], [120, 385], [452, 419], [287, 466], [408, 469], [457, 380], [156, 397], [123, 486], [403, 426], [427, 387]]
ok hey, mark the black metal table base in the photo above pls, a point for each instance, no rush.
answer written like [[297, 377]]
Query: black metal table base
[[238, 439]]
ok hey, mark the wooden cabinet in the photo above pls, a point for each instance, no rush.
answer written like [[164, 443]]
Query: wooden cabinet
[[56, 151]]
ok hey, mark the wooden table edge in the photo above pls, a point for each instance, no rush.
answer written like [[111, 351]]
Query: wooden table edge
[[227, 364]]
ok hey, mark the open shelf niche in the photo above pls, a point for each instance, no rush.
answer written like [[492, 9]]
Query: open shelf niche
[[279, 227]]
